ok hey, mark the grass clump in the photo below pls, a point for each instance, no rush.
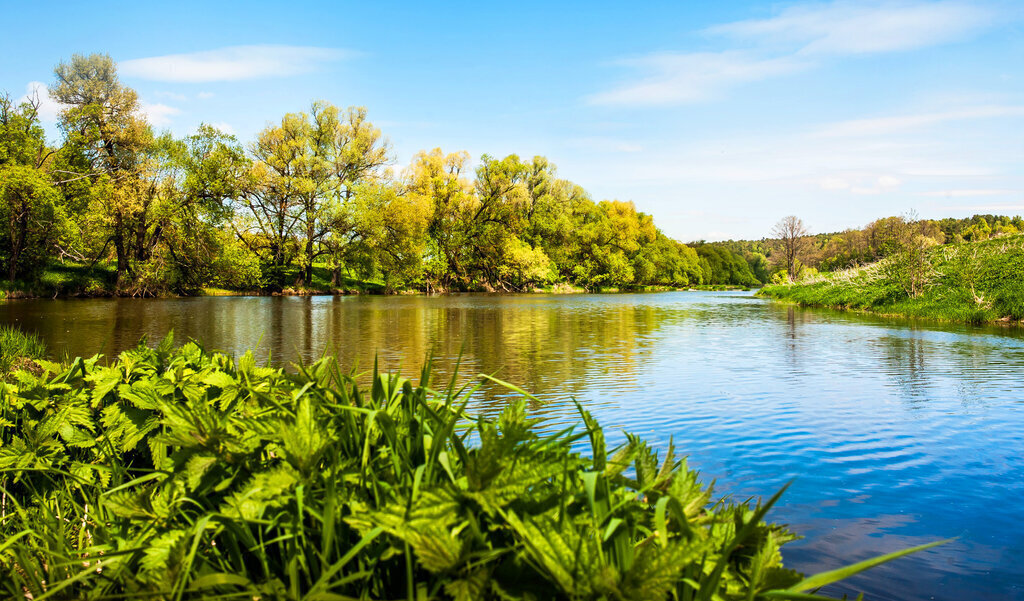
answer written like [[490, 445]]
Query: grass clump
[[184, 474], [17, 346], [971, 282]]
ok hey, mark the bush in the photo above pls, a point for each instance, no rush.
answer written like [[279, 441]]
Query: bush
[[1009, 300], [186, 474]]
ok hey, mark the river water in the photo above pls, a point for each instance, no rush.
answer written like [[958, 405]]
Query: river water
[[894, 432]]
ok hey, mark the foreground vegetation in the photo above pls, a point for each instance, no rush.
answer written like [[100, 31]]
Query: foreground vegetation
[[971, 282], [183, 474]]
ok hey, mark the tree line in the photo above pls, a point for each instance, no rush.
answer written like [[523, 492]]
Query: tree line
[[314, 200]]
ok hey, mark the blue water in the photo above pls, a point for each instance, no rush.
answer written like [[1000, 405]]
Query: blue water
[[893, 433]]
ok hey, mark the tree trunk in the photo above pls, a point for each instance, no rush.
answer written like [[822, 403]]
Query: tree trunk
[[123, 260]]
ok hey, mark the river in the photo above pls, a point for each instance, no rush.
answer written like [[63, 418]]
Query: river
[[894, 432]]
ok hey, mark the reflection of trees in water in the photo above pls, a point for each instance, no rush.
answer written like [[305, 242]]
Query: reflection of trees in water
[[545, 345], [793, 319], [917, 357], [903, 359], [539, 346]]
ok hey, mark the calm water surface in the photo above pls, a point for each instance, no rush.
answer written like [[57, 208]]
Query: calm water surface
[[895, 433]]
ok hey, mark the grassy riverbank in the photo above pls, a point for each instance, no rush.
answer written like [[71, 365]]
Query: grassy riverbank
[[19, 349], [82, 281], [972, 282], [76, 280], [178, 473]]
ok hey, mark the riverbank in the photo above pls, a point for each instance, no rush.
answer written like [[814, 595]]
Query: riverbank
[[971, 282], [100, 281]]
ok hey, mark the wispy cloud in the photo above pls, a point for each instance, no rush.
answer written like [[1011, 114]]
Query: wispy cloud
[[799, 38], [885, 125], [223, 127], [998, 209], [232, 64], [861, 186], [862, 27], [682, 78], [971, 193], [604, 144], [171, 95], [158, 114]]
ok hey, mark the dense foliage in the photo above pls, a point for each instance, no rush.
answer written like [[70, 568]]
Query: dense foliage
[[968, 281], [312, 203], [185, 474]]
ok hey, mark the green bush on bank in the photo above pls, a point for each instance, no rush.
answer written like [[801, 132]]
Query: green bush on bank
[[179, 473], [972, 282]]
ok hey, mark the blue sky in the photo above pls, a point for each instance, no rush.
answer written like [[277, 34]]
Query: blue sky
[[717, 118]]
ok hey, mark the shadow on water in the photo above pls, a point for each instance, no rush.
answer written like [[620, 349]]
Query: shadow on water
[[895, 431]]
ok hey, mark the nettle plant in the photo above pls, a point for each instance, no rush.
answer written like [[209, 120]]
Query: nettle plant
[[176, 473]]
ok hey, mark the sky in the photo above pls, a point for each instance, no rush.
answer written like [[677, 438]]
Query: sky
[[716, 118]]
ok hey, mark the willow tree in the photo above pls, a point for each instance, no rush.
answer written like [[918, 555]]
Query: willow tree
[[439, 179], [102, 121], [305, 173], [499, 218]]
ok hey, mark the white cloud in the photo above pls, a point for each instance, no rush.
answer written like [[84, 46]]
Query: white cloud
[[884, 125], [172, 96], [205, 95], [799, 38], [232, 64], [861, 185], [158, 114], [223, 127], [968, 193], [604, 144], [49, 109], [682, 78], [997, 209], [863, 27]]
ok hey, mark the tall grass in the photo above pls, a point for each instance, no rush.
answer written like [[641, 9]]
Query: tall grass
[[972, 282], [183, 474], [16, 345]]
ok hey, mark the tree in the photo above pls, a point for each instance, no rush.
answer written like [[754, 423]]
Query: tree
[[393, 225], [438, 178], [199, 175], [30, 209], [101, 121], [792, 236], [305, 173]]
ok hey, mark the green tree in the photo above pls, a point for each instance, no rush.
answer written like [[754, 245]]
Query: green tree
[[30, 211], [438, 179], [101, 121], [304, 174]]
